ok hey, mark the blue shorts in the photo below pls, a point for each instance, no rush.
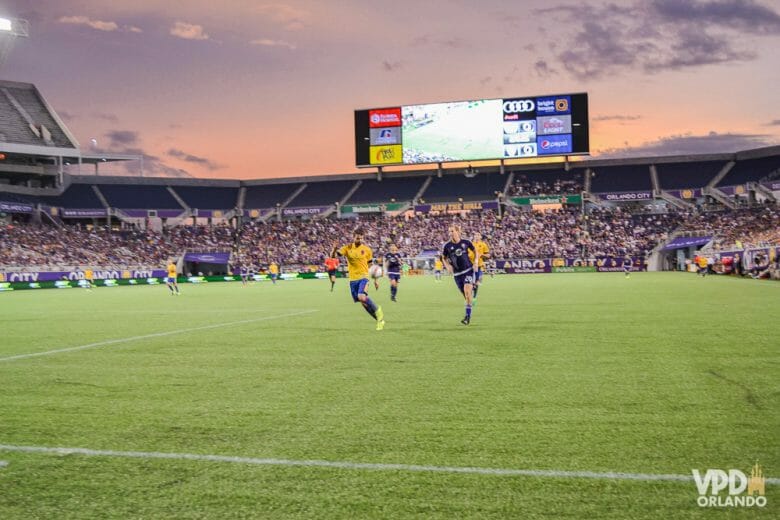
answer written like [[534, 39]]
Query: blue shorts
[[462, 279], [394, 276], [357, 287], [627, 267], [332, 272], [170, 279]]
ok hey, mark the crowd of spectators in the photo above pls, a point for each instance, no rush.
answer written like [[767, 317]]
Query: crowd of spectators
[[743, 228], [516, 234], [522, 186], [521, 234], [49, 246]]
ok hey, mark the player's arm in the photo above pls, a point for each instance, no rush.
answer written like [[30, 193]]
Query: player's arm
[[335, 252], [447, 264]]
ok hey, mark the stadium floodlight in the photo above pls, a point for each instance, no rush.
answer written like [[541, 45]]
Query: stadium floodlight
[[10, 30]]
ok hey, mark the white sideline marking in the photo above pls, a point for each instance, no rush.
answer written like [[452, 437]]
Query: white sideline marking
[[3, 464], [155, 335], [355, 465]]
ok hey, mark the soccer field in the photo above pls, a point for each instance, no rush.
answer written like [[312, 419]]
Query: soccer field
[[466, 133], [282, 401]]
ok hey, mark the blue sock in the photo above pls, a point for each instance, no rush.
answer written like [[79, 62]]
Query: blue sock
[[476, 288], [393, 291], [370, 307], [468, 310]]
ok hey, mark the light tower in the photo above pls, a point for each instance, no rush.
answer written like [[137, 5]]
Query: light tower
[[10, 30]]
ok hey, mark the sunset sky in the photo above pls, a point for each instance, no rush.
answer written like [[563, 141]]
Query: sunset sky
[[248, 89]]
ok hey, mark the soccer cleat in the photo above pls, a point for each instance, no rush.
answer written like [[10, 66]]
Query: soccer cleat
[[380, 315], [393, 299], [380, 324], [466, 320]]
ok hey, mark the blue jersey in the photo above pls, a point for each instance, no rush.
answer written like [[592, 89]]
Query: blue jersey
[[457, 254], [627, 261], [393, 262]]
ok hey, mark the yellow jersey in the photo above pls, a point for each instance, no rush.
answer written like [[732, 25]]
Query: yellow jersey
[[88, 274], [358, 258], [171, 270], [702, 261], [273, 269], [438, 265], [483, 249]]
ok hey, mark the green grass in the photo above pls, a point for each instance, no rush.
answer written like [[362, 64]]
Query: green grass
[[660, 373]]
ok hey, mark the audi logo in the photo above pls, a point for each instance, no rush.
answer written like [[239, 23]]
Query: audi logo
[[522, 105]]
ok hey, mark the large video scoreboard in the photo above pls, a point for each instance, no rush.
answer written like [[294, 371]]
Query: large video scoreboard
[[484, 129]]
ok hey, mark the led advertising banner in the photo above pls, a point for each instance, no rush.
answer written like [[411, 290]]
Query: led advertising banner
[[485, 129]]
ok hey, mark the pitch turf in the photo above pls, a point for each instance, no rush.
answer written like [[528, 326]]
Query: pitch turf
[[657, 374]]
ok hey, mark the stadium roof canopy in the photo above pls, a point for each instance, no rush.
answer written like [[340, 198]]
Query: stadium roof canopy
[[34, 141]]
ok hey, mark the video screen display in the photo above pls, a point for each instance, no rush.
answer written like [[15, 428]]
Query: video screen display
[[485, 129]]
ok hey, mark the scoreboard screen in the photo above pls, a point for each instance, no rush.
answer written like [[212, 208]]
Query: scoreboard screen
[[484, 129]]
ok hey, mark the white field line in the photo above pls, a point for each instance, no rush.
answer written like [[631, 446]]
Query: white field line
[[545, 473], [3, 463], [154, 335]]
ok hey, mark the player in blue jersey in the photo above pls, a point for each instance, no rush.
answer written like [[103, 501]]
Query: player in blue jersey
[[244, 274], [628, 263], [393, 263], [455, 254]]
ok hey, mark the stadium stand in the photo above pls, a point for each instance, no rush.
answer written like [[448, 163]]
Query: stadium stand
[[676, 176], [401, 189], [80, 196], [546, 182], [322, 193], [34, 106], [22, 106], [747, 170], [748, 227], [451, 187], [138, 197], [208, 197], [13, 128], [620, 178], [265, 196]]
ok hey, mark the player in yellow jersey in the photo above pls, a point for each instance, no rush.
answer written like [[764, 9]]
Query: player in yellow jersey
[[88, 278], [438, 265], [358, 257], [273, 270], [701, 262], [484, 252], [170, 281]]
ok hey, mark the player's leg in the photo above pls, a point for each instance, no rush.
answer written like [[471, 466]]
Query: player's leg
[[468, 295], [477, 281], [465, 286], [176, 286], [359, 294], [169, 283], [393, 286]]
